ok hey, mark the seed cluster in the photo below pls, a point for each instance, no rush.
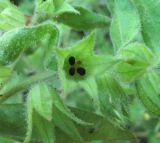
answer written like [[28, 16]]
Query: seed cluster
[[75, 67]]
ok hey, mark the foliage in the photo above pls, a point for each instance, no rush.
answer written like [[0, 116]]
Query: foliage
[[79, 71]]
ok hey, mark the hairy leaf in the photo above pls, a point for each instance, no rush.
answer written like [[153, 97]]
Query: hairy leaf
[[149, 11], [90, 86], [41, 100], [103, 129], [58, 103], [44, 128], [5, 74], [58, 3], [4, 4], [125, 23], [51, 8], [66, 124], [10, 16], [12, 121], [148, 89], [65, 8], [112, 97], [16, 41], [110, 6], [85, 20]]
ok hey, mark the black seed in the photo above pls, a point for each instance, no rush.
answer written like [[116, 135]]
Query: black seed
[[72, 71], [71, 60], [81, 71]]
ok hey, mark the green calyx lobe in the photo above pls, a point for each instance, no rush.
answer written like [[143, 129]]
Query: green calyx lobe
[[79, 66], [75, 63], [79, 62]]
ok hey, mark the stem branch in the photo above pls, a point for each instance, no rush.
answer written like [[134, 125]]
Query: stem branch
[[24, 84]]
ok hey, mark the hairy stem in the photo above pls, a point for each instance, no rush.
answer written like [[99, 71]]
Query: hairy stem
[[25, 84]]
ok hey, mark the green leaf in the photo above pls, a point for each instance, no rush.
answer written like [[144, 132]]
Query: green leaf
[[45, 7], [4, 4], [10, 17], [14, 42], [110, 6], [102, 125], [51, 8], [65, 8], [43, 10], [113, 99], [149, 11], [12, 121], [103, 128], [58, 103], [5, 74], [134, 59], [58, 3], [90, 86], [41, 100], [9, 21], [44, 128], [62, 121], [125, 23], [85, 20], [59, 134], [6, 140], [14, 117], [148, 89]]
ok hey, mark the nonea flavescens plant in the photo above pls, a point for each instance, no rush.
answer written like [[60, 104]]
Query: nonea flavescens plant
[[79, 71]]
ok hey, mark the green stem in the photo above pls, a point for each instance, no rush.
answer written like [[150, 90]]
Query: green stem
[[25, 84]]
